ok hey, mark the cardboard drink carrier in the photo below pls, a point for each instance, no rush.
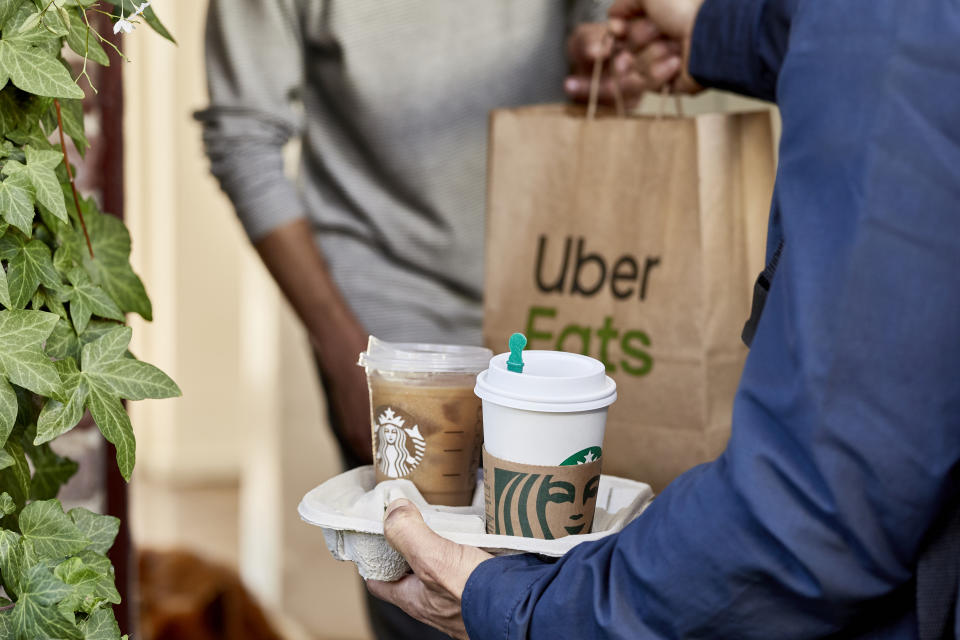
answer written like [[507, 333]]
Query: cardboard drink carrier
[[349, 508], [634, 240]]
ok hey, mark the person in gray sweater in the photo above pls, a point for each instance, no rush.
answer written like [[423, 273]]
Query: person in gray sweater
[[382, 230]]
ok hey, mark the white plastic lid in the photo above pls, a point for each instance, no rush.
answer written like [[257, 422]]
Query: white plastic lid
[[425, 358], [552, 381]]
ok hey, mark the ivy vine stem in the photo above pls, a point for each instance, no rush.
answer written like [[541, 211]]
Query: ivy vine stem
[[73, 186]]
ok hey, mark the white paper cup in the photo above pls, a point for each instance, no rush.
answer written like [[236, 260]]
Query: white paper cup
[[554, 413]]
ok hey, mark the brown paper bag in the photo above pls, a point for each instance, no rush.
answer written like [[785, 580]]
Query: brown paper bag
[[635, 241]]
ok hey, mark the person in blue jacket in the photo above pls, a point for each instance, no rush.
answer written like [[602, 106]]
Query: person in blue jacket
[[842, 470]]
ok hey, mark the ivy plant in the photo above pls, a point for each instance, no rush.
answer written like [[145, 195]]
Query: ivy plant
[[66, 286]]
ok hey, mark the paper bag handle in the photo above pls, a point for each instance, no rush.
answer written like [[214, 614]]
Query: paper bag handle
[[618, 96], [595, 88]]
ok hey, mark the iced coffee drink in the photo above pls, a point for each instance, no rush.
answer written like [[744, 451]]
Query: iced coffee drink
[[426, 420]]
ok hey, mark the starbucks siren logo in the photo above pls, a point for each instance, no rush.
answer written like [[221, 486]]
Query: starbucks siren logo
[[395, 458]]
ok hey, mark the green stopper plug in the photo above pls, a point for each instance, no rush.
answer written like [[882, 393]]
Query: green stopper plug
[[515, 362]]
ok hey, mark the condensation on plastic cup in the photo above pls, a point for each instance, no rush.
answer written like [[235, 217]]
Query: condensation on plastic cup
[[554, 410]]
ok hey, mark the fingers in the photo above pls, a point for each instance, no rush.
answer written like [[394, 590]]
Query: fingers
[[622, 10], [686, 84], [437, 561], [406, 593], [414, 597], [427, 553], [662, 72], [639, 33], [659, 63], [588, 43], [630, 85], [409, 534]]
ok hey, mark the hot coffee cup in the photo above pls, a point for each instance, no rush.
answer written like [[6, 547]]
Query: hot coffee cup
[[543, 442]]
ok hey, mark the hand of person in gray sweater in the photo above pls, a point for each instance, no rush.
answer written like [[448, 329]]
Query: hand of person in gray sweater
[[659, 60]]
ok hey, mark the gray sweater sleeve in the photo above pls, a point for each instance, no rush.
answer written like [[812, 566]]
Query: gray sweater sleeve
[[254, 62], [587, 11]]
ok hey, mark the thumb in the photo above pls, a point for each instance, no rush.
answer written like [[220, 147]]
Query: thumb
[[406, 532]]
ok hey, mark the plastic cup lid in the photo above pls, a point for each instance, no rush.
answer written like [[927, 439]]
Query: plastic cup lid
[[426, 358], [552, 381]]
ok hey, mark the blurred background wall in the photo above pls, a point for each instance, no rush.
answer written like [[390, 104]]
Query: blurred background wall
[[221, 470]]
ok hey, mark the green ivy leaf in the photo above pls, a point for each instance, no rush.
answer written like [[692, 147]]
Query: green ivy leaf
[[15, 478], [101, 530], [36, 615], [29, 267], [6, 460], [87, 299], [8, 410], [51, 299], [91, 590], [7, 505], [21, 359], [106, 361], [72, 112], [101, 625], [63, 342], [111, 268], [50, 470], [16, 202], [39, 174], [84, 41], [8, 8], [106, 376], [11, 114], [57, 418], [54, 21], [96, 561], [4, 289], [10, 244], [49, 531], [114, 424], [11, 561], [34, 70]]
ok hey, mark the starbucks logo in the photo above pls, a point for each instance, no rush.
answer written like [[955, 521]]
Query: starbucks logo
[[584, 456], [399, 449], [542, 506]]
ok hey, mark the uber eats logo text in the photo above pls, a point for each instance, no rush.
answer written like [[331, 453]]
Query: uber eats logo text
[[569, 269]]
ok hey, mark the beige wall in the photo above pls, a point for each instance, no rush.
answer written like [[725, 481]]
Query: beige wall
[[222, 469]]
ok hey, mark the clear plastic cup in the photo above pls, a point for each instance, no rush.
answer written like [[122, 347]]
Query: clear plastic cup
[[426, 420]]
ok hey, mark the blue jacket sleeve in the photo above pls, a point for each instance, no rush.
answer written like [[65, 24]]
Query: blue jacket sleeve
[[739, 45], [845, 450]]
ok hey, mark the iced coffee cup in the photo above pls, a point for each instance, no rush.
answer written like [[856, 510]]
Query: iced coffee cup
[[543, 442], [425, 417]]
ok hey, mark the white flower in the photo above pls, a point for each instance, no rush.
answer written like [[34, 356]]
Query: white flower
[[123, 24]]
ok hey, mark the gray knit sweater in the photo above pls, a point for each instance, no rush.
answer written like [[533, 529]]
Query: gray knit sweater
[[390, 99]]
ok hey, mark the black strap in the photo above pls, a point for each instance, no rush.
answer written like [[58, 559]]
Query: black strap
[[760, 290]]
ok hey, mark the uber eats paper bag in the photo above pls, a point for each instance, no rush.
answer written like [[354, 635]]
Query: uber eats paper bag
[[635, 241]]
